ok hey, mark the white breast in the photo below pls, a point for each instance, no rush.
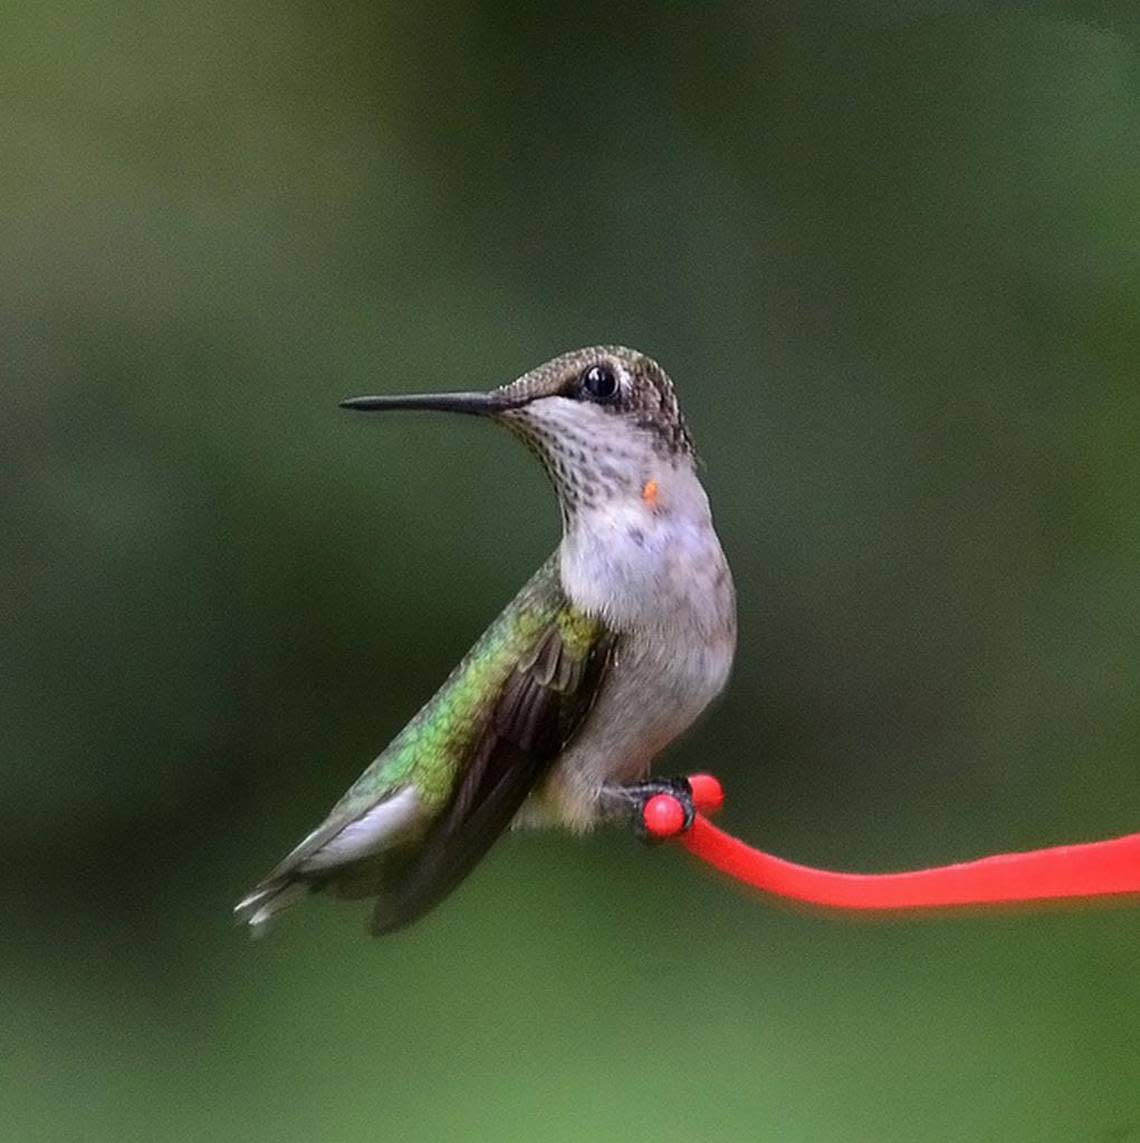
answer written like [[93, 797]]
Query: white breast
[[658, 562], [654, 570]]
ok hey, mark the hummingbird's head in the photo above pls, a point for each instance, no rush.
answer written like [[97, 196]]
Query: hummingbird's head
[[604, 397], [599, 419]]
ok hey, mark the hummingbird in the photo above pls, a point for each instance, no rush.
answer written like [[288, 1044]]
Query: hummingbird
[[610, 651]]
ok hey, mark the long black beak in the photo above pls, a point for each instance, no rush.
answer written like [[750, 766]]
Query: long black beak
[[479, 404]]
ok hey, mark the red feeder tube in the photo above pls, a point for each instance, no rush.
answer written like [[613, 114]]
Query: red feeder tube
[[1090, 870]]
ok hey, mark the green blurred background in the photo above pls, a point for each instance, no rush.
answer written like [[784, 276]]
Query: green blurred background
[[892, 263]]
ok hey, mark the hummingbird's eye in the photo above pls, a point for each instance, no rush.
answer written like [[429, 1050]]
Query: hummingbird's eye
[[600, 382]]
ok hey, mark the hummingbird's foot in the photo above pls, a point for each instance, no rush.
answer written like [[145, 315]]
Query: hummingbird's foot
[[637, 795]]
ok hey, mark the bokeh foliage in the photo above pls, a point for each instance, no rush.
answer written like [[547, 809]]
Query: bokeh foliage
[[891, 256]]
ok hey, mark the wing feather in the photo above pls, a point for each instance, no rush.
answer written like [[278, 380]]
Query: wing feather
[[396, 834], [539, 708]]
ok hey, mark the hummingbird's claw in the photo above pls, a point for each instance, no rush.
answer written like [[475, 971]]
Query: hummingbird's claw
[[638, 795]]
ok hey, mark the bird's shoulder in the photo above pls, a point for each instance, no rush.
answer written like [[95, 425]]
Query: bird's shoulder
[[539, 644]]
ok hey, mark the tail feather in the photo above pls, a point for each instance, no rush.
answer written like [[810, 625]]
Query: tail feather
[[261, 905], [346, 854]]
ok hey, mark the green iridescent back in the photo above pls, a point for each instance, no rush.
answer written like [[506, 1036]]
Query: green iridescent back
[[436, 744]]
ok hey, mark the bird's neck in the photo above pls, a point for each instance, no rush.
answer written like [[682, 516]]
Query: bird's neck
[[630, 556]]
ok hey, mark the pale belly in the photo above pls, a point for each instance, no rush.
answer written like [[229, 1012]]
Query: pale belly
[[670, 662], [651, 695]]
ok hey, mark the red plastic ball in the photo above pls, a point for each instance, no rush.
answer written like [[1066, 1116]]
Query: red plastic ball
[[663, 815], [708, 793]]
